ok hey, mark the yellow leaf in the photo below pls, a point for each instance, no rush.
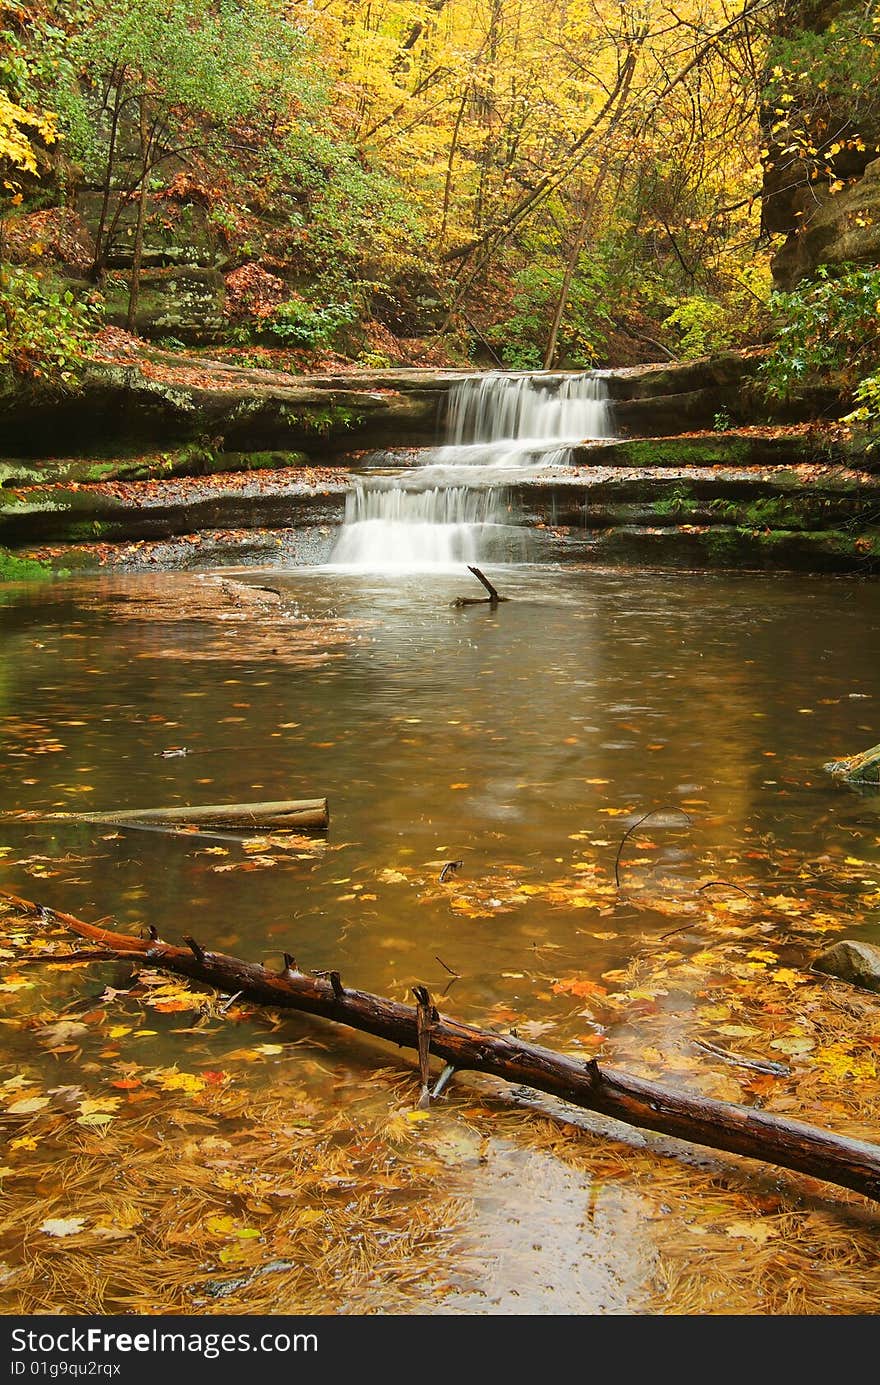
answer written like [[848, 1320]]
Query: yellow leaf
[[28, 1106], [759, 1231], [220, 1226], [793, 1046], [102, 1103], [172, 1081]]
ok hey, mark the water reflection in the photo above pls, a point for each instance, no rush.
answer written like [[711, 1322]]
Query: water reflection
[[516, 738]]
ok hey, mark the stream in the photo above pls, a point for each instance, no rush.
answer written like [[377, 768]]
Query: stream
[[521, 741]]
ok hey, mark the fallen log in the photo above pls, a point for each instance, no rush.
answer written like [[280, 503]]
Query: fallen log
[[636, 1101], [863, 768], [299, 815]]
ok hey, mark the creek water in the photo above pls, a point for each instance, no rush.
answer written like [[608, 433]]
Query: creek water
[[522, 741], [437, 733]]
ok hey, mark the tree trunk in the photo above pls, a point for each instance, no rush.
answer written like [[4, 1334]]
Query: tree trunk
[[574, 255], [101, 245], [634, 1100], [134, 288]]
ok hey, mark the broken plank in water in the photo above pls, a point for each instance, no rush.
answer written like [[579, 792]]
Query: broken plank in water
[[744, 1130], [492, 599], [298, 815]]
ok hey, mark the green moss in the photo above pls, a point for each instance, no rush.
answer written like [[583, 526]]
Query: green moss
[[195, 459], [645, 452], [15, 569], [87, 530], [325, 420], [677, 501], [723, 543]]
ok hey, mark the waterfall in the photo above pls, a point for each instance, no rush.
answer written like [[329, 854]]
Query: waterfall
[[454, 508], [528, 410], [396, 528]]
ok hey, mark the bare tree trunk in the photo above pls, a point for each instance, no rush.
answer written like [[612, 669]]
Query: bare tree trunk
[[100, 242], [138, 253], [570, 267]]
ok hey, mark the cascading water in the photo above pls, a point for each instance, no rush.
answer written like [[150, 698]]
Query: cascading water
[[455, 507], [389, 527], [519, 413]]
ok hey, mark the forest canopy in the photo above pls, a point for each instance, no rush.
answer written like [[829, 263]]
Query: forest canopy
[[526, 183]]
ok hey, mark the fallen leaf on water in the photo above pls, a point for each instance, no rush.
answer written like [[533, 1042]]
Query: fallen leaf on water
[[758, 1231], [575, 985], [793, 1046], [61, 1032], [172, 1081], [63, 1226], [98, 1104]]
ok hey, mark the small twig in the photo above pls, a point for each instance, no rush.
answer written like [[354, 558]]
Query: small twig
[[730, 885], [227, 1003], [692, 923], [670, 808], [423, 1035], [738, 1061], [453, 976], [71, 957]]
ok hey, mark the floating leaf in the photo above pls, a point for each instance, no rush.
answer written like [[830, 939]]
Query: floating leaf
[[63, 1226], [757, 1231], [28, 1106]]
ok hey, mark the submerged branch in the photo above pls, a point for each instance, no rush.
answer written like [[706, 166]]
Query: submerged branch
[[647, 1105], [299, 814]]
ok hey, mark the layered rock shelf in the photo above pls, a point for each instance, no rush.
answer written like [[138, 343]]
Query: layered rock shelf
[[735, 499], [255, 450]]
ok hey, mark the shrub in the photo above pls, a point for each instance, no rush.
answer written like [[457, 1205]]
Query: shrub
[[301, 324], [47, 330], [828, 327]]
